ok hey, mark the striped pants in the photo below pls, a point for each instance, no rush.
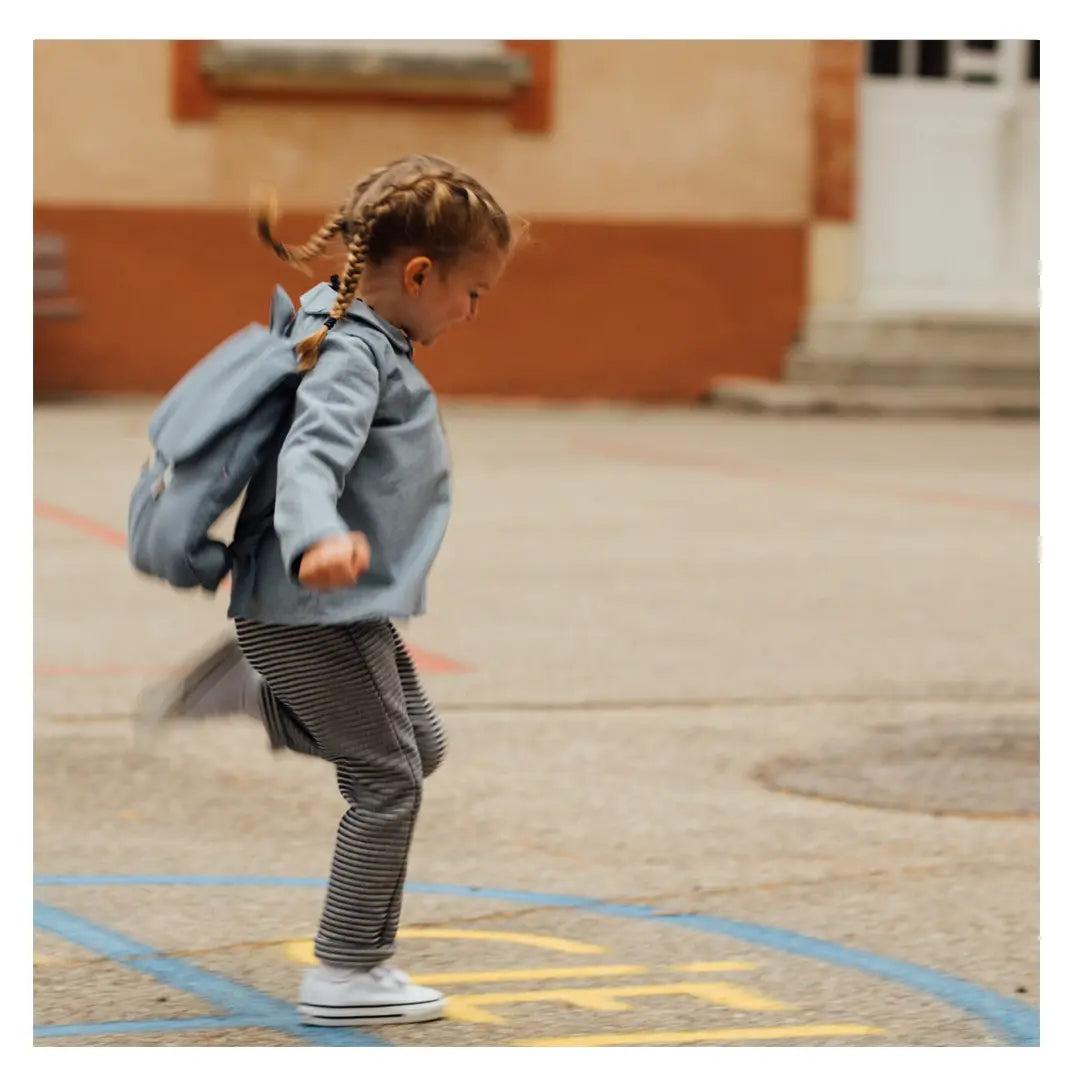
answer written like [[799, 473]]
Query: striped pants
[[349, 694]]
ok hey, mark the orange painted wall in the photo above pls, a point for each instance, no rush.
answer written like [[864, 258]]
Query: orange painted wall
[[649, 312], [670, 203]]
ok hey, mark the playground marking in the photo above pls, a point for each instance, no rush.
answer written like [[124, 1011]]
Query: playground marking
[[1014, 1022], [472, 1008], [81, 524], [257, 1008], [714, 965], [671, 1038], [453, 978], [303, 951], [424, 660]]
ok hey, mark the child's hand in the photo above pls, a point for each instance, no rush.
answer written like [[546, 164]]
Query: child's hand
[[336, 562]]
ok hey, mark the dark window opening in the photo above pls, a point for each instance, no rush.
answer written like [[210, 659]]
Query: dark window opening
[[981, 46], [1033, 61], [883, 58], [933, 59]]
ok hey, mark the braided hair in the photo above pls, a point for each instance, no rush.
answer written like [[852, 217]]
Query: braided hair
[[418, 201]]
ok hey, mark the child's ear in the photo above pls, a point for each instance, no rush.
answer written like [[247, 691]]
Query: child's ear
[[416, 270]]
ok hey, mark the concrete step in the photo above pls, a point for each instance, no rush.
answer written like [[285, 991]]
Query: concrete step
[[931, 350], [761, 395], [927, 370]]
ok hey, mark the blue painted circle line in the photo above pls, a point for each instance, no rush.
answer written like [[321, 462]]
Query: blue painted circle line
[[1016, 1023]]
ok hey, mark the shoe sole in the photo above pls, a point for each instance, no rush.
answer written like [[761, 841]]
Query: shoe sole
[[163, 702], [363, 1015]]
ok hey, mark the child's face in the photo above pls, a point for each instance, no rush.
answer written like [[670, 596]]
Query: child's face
[[439, 300]]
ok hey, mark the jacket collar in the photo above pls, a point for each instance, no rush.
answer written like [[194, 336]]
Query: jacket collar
[[319, 301]]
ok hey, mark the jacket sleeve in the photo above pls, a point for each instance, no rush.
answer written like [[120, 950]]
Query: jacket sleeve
[[335, 406]]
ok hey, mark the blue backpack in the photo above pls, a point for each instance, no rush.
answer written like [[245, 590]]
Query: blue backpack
[[210, 434]]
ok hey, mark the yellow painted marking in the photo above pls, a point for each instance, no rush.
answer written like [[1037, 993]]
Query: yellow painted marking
[[303, 952], [457, 1008], [715, 965], [554, 944], [300, 952], [669, 1038], [448, 978], [469, 1007], [40, 959], [716, 993], [472, 1007]]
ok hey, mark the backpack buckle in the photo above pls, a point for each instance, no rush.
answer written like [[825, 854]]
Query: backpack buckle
[[162, 482]]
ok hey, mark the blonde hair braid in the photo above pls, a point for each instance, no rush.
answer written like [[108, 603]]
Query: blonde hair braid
[[266, 217], [408, 203]]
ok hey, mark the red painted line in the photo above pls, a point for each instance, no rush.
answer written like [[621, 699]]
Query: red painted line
[[429, 661], [80, 523], [1010, 507], [424, 661]]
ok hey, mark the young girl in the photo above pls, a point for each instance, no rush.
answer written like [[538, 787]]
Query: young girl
[[358, 498]]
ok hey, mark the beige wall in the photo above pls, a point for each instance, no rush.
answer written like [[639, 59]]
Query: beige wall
[[832, 268], [102, 130], [650, 131]]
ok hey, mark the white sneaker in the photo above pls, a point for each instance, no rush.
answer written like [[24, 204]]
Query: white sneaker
[[349, 997]]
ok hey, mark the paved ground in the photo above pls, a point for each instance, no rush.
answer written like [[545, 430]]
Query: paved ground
[[744, 748]]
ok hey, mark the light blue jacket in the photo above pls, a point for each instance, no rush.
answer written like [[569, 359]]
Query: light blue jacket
[[366, 452]]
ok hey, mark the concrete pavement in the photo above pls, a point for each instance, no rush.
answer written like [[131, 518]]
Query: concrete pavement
[[743, 716]]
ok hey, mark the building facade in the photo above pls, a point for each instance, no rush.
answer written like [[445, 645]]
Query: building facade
[[693, 203]]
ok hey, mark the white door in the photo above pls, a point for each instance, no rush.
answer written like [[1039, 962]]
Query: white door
[[948, 193]]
